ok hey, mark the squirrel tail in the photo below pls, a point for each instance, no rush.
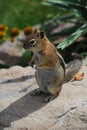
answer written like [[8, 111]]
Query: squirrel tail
[[74, 68]]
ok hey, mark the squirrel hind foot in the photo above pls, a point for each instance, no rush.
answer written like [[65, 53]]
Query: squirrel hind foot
[[36, 92], [49, 98]]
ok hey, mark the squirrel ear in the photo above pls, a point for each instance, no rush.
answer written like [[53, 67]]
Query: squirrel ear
[[42, 34]]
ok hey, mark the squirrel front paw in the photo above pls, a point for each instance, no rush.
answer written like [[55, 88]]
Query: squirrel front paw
[[31, 63]]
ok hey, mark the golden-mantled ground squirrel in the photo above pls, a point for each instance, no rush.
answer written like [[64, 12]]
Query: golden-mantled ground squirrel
[[50, 66]]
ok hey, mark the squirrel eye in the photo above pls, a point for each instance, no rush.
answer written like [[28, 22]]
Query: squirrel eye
[[32, 42]]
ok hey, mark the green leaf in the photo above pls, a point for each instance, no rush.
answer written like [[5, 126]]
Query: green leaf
[[67, 4], [73, 37], [60, 4]]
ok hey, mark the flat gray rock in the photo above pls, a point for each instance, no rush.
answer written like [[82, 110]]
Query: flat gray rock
[[19, 110]]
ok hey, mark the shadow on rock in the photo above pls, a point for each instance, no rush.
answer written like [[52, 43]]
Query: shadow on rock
[[20, 109], [21, 79]]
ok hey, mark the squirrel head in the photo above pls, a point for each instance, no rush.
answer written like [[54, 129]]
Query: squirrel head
[[35, 41]]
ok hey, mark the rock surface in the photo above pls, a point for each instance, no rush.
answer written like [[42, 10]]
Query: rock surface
[[21, 111]]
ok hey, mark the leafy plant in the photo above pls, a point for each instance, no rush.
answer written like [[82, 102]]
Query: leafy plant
[[75, 11], [73, 37]]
